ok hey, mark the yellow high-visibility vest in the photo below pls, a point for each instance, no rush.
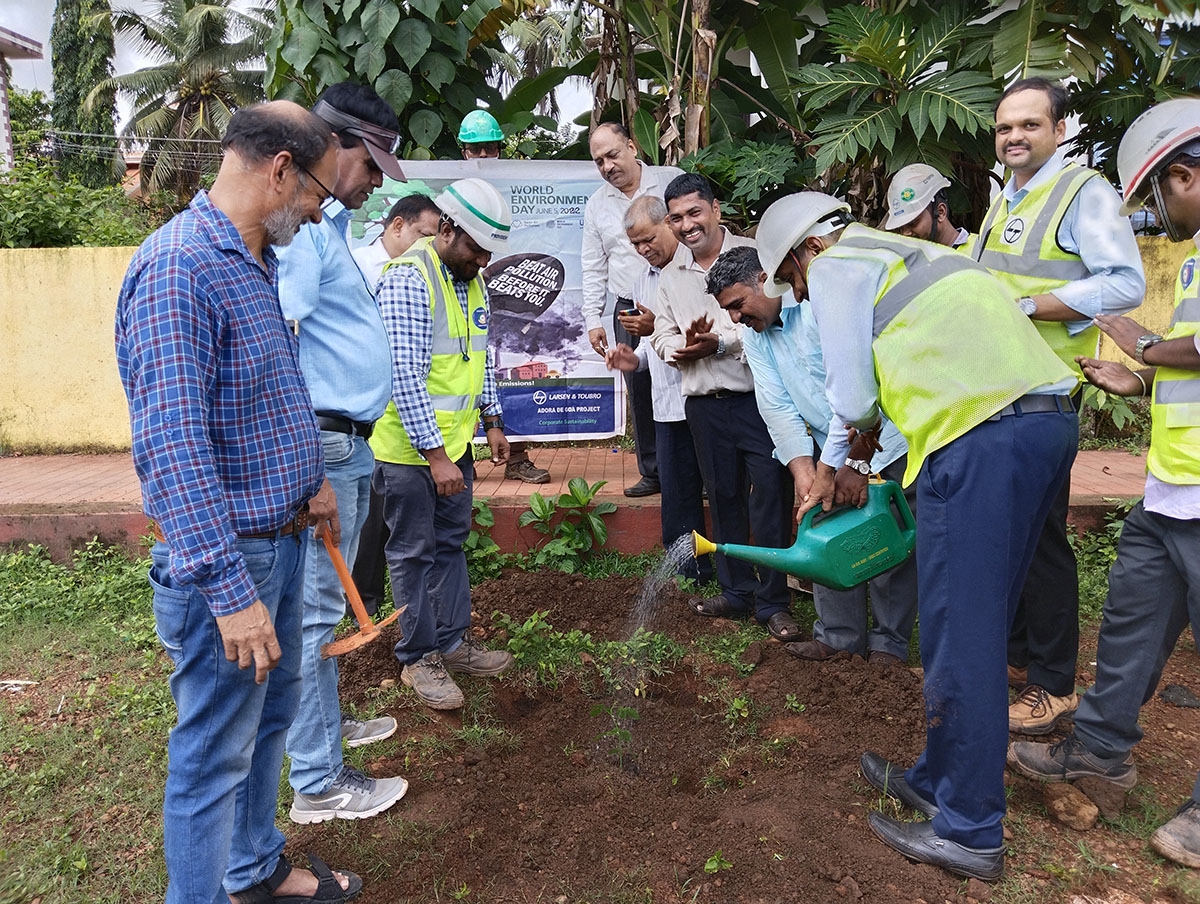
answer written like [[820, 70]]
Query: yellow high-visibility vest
[[951, 348], [457, 368], [1175, 407], [1021, 248]]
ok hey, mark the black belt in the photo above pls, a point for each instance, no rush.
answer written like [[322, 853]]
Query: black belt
[[624, 302], [339, 424], [1030, 404], [296, 526], [726, 394]]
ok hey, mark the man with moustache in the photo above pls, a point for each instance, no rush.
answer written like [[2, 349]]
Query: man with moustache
[[347, 368], [1057, 241], [783, 349], [682, 507], [610, 266], [229, 457], [747, 488]]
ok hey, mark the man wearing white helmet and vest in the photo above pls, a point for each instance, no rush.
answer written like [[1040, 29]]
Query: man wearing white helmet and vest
[[917, 207], [435, 309], [1154, 587], [1056, 241], [991, 437]]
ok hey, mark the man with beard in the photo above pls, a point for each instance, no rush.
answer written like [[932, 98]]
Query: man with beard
[[226, 447], [435, 310], [347, 367], [747, 488]]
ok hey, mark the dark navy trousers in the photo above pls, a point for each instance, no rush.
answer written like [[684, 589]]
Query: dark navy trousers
[[983, 499], [682, 492]]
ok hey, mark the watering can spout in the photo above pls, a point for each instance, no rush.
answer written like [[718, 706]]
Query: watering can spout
[[702, 545], [841, 550]]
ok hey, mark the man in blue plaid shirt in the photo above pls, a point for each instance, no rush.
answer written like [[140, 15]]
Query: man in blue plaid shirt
[[227, 451]]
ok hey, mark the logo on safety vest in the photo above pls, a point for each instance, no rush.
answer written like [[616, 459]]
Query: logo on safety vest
[[1186, 272], [480, 318], [907, 195], [1013, 230]]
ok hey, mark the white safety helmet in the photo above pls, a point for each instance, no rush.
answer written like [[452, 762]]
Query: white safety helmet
[[788, 222], [1149, 143], [911, 191], [481, 211]]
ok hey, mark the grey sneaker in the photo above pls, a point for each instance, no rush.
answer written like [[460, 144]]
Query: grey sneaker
[[353, 795], [1179, 839], [472, 658], [432, 683], [1067, 761], [356, 733]]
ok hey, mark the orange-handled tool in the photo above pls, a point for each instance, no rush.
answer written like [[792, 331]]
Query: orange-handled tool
[[367, 630]]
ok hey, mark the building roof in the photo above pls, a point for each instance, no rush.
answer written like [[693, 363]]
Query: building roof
[[18, 47]]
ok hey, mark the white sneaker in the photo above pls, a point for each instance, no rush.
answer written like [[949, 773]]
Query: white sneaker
[[353, 795], [356, 732]]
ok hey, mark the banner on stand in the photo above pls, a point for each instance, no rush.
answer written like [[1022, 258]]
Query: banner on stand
[[553, 386]]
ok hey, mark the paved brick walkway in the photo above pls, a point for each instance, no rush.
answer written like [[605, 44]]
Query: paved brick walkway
[[62, 500], [48, 483]]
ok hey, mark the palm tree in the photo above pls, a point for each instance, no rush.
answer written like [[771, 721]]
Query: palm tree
[[208, 62]]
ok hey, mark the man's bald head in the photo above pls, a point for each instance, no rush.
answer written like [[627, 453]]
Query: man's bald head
[[259, 132], [647, 210]]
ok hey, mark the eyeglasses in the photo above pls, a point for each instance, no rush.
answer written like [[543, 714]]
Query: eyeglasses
[[320, 184]]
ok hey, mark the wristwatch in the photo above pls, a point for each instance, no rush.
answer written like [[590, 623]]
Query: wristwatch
[[1144, 342], [862, 467], [493, 421], [1027, 305], [720, 346]]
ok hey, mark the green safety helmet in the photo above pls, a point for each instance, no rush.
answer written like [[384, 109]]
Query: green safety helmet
[[479, 126]]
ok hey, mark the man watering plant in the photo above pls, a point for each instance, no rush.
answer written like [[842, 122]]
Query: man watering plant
[[991, 437]]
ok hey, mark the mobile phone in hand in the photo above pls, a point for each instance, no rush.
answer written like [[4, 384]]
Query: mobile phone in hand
[[628, 312]]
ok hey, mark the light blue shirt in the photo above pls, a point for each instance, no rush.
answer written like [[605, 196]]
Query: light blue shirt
[[343, 347], [842, 294], [1094, 229], [789, 385]]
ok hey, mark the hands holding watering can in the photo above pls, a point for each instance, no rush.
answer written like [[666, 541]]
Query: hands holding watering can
[[844, 486]]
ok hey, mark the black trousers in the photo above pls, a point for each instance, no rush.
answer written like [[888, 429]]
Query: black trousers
[[1045, 631], [641, 404], [748, 491], [370, 563], [682, 493]]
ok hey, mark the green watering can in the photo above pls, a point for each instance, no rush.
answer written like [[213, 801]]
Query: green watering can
[[841, 548]]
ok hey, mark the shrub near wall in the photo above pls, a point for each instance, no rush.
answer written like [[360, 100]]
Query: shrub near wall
[[38, 210]]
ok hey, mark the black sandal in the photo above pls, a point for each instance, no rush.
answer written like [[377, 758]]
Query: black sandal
[[329, 889], [783, 627], [716, 607]]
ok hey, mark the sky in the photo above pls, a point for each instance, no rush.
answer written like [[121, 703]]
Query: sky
[[33, 18]]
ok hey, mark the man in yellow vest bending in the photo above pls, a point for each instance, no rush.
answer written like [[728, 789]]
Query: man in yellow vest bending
[[435, 310], [991, 437], [1154, 587], [1054, 237]]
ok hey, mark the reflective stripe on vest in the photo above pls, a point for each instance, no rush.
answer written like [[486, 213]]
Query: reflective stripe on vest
[[457, 362], [935, 383], [1031, 262], [1175, 404]]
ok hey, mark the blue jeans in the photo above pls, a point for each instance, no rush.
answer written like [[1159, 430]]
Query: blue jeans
[[315, 740], [425, 556], [983, 499], [225, 753]]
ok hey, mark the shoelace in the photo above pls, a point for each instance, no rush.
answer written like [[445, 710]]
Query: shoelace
[[436, 666], [354, 779], [1036, 697]]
